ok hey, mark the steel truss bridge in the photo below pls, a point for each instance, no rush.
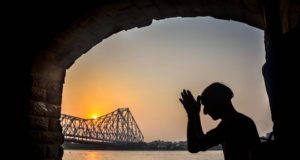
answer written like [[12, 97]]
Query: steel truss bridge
[[118, 126]]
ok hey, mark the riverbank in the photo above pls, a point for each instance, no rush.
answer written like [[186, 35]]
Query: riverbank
[[154, 146]]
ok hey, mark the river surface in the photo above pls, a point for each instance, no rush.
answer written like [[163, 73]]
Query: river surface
[[140, 155]]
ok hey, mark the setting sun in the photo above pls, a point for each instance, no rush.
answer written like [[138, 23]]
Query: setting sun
[[95, 116]]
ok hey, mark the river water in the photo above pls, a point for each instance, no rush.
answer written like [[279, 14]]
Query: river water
[[140, 155]]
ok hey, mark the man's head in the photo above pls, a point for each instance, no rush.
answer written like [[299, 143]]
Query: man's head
[[216, 99]]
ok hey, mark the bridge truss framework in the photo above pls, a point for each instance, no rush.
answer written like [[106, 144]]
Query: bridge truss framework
[[118, 126]]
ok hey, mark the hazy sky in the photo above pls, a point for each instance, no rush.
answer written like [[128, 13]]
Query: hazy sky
[[145, 70]]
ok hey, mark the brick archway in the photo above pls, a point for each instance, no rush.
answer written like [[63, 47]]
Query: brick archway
[[103, 19]]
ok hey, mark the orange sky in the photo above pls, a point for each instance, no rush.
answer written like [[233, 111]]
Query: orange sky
[[146, 69]]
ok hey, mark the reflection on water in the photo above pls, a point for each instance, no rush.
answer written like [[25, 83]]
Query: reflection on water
[[140, 155]]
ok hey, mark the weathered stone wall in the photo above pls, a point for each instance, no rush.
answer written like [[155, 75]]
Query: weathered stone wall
[[44, 110], [103, 20]]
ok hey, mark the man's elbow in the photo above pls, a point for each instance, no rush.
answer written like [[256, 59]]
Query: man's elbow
[[195, 149]]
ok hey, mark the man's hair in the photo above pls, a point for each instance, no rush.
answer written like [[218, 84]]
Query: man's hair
[[216, 92]]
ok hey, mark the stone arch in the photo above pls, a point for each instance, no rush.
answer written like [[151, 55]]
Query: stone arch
[[101, 21], [97, 22]]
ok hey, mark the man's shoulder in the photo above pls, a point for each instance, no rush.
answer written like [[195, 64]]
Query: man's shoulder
[[246, 122], [240, 119]]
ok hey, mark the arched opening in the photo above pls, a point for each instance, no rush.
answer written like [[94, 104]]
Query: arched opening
[[91, 27], [145, 70]]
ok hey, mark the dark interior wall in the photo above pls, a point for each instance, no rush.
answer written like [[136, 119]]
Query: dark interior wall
[[281, 77], [282, 48], [28, 27]]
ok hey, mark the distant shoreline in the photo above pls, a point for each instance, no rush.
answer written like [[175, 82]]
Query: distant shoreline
[[142, 146]]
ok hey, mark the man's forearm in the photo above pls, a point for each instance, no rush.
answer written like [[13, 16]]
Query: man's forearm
[[194, 132]]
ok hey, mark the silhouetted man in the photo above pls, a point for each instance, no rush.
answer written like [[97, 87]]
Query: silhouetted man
[[236, 132]]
